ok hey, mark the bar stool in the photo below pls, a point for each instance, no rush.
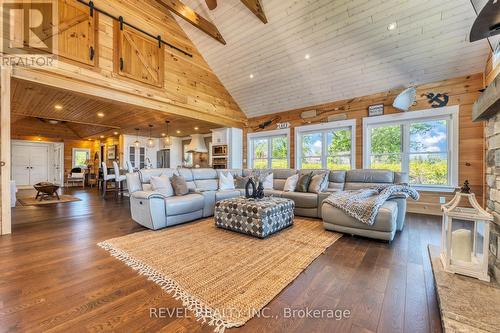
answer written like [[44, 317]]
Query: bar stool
[[119, 179], [105, 178]]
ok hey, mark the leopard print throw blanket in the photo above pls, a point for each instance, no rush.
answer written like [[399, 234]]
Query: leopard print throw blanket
[[364, 204]]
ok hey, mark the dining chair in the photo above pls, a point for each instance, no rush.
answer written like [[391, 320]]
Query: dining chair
[[105, 178], [119, 179], [130, 168]]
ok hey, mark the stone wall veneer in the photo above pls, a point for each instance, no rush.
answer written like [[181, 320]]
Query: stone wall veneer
[[492, 134]]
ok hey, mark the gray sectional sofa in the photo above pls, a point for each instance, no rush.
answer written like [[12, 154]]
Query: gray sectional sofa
[[153, 210]]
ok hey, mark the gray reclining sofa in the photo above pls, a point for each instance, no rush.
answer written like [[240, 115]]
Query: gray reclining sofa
[[155, 211]]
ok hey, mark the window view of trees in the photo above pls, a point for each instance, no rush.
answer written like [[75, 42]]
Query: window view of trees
[[271, 152], [335, 156], [426, 152]]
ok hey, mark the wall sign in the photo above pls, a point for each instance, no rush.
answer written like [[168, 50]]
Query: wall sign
[[375, 110], [282, 125]]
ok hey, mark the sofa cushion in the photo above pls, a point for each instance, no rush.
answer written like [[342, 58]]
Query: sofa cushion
[[319, 183], [273, 193], [162, 185], [302, 200], [291, 183], [180, 186], [385, 220], [204, 173], [267, 182], [184, 204], [226, 181], [369, 176], [241, 182], [303, 183], [227, 194]]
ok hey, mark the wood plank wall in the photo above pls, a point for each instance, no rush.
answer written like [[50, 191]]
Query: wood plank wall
[[190, 87], [463, 91]]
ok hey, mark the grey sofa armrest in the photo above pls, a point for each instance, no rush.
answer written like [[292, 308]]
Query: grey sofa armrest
[[147, 195]]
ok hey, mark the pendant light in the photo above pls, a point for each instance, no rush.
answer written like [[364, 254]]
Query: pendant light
[[151, 142], [137, 143], [167, 137]]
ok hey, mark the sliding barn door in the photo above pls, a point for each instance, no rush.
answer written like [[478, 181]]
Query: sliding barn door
[[77, 32], [5, 216], [138, 57]]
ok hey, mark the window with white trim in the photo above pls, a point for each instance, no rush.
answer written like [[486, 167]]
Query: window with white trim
[[269, 150], [423, 144], [80, 157], [326, 146]]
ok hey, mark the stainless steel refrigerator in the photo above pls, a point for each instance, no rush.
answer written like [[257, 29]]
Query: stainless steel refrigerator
[[163, 158]]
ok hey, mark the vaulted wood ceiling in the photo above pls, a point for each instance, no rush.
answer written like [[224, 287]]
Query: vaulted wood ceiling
[[351, 50], [34, 104]]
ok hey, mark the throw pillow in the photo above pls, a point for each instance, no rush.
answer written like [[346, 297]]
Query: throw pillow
[[291, 183], [268, 182], [226, 181], [180, 186], [303, 182], [162, 185], [317, 183], [241, 182]]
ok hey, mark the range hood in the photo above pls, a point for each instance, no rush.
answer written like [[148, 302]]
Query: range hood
[[197, 144], [487, 23]]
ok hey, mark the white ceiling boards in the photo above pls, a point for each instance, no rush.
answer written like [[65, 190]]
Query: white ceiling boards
[[317, 51]]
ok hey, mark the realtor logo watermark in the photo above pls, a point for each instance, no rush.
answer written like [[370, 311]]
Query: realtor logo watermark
[[266, 312], [29, 32]]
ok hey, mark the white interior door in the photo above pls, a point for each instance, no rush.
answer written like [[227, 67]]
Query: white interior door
[[39, 164], [21, 164]]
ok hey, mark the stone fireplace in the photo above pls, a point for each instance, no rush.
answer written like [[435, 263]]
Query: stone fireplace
[[487, 108]]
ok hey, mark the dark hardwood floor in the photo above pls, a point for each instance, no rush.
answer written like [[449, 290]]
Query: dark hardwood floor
[[53, 277]]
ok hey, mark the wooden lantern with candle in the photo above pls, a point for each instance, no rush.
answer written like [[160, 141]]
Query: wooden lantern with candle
[[465, 236]]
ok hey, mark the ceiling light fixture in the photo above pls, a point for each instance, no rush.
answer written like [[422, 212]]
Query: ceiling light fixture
[[251, 76], [196, 128], [115, 133], [307, 56], [178, 132], [100, 114], [137, 143], [167, 137], [58, 107], [392, 26], [102, 136], [151, 142]]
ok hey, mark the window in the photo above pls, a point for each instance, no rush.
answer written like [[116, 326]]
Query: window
[[137, 156], [269, 150], [422, 144], [80, 157], [326, 146], [188, 157]]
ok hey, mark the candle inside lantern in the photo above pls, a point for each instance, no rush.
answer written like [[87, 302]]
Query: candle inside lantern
[[461, 245]]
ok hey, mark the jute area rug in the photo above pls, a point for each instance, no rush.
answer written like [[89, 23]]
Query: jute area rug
[[224, 277], [31, 201]]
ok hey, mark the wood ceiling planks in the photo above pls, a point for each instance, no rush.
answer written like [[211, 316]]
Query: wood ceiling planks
[[351, 51], [79, 115]]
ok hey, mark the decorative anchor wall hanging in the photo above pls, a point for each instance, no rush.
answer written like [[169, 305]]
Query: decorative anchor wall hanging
[[437, 100]]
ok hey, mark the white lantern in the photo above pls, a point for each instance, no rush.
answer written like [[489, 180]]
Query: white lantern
[[465, 236]]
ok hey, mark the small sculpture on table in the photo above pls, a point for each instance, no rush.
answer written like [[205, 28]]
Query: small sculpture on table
[[255, 182]]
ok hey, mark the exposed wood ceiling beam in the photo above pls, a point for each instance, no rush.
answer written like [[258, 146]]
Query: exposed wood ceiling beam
[[255, 7], [194, 18]]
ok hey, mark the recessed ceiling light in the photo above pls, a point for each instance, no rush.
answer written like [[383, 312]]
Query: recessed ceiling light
[[162, 134], [100, 114], [89, 139], [115, 133], [307, 56], [251, 76], [58, 107], [102, 136], [196, 128], [392, 26], [178, 132]]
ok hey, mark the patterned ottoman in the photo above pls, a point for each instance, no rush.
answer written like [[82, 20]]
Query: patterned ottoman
[[256, 217]]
